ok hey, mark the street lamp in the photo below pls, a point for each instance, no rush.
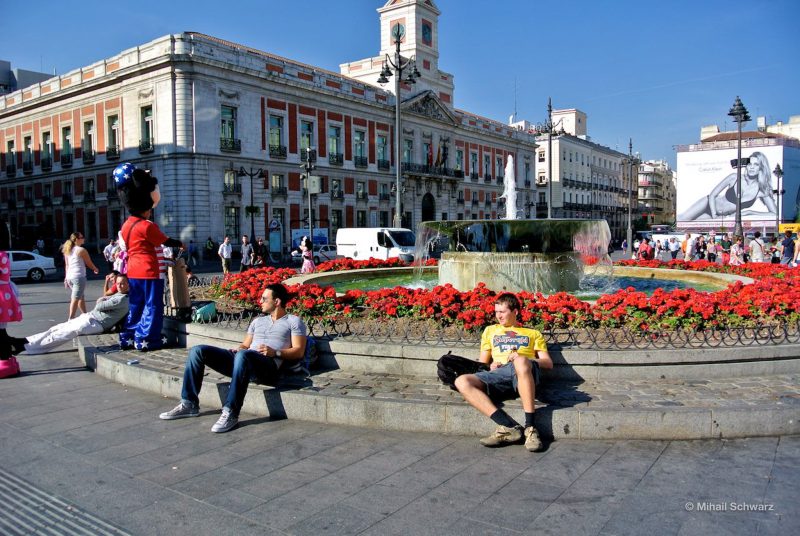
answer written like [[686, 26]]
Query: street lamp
[[251, 209], [398, 64], [740, 115], [630, 163], [778, 172], [549, 128], [309, 167]]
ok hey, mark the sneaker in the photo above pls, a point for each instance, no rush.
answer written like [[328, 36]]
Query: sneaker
[[503, 436], [226, 422], [532, 441], [181, 411]]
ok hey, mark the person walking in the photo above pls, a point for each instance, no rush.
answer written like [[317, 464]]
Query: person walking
[[225, 251], [758, 252], [192, 253], [76, 260], [247, 254], [108, 253]]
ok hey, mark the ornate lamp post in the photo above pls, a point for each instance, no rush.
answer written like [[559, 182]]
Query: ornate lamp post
[[251, 208], [778, 172], [630, 163], [396, 66], [308, 167], [740, 115]]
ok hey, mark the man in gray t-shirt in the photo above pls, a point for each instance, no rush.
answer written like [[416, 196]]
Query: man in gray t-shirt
[[272, 341]]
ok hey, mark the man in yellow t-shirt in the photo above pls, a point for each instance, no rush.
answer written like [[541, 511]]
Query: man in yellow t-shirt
[[514, 355]]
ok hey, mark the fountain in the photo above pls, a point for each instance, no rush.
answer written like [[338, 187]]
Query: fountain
[[545, 256]]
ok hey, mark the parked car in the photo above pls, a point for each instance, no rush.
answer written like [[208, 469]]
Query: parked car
[[31, 265], [322, 253]]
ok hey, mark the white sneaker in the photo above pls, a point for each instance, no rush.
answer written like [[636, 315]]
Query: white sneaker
[[181, 411], [226, 422]]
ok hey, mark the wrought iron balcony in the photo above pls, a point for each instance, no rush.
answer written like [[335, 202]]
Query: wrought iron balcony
[[383, 165], [47, 201], [11, 170], [487, 179], [88, 195], [146, 146], [499, 179], [66, 199], [27, 167], [488, 203], [336, 159], [473, 176], [88, 156], [235, 188], [337, 194], [304, 155], [112, 152], [474, 202], [460, 201], [279, 190], [360, 161], [230, 145], [47, 163], [541, 206], [383, 197], [362, 196], [277, 151], [458, 173]]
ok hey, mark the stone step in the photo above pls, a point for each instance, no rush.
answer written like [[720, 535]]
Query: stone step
[[597, 409]]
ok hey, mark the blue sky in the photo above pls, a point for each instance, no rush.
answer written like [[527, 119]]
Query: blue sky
[[653, 71]]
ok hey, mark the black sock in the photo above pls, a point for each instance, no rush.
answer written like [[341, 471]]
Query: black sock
[[529, 419], [503, 419]]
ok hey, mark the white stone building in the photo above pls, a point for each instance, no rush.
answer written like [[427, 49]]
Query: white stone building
[[656, 192]]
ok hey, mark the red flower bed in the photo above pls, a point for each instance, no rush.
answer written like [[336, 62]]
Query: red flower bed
[[774, 296]]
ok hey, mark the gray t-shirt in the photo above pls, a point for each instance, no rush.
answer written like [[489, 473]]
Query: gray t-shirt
[[247, 254], [110, 310], [275, 334]]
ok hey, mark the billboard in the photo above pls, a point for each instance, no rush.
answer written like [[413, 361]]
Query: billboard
[[706, 188]]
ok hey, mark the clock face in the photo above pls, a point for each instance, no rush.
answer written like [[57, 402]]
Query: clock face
[[398, 31], [427, 34]]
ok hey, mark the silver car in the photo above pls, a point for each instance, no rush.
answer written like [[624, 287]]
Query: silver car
[[31, 265]]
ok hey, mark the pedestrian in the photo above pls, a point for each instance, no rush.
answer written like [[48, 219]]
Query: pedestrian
[[788, 249], [76, 260], [737, 252], [711, 249], [247, 254], [192, 253], [307, 252], [210, 248], [674, 247], [758, 252], [775, 250], [725, 246], [514, 354], [260, 253], [274, 341], [108, 253], [225, 251]]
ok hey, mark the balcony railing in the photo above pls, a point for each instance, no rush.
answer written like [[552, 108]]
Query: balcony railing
[[66, 199], [66, 159], [460, 201], [304, 155], [473, 176], [434, 171], [362, 196], [458, 173], [47, 201], [11, 170], [88, 195], [230, 145], [112, 152], [487, 179], [277, 151], [499, 179], [336, 159], [146, 146], [279, 190], [47, 163], [383, 197], [383, 165], [27, 167], [474, 202], [360, 161], [232, 188], [541, 206], [337, 194]]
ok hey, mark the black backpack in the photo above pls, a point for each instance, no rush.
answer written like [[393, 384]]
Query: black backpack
[[449, 367]]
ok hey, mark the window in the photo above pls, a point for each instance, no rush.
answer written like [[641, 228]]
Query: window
[[306, 134], [361, 218], [277, 181], [146, 124], [113, 132], [527, 173], [382, 148], [27, 157], [408, 150], [427, 153], [68, 187], [88, 137], [229, 184], [232, 221], [459, 159], [360, 187], [487, 165], [89, 186], [47, 142], [66, 140], [359, 145], [336, 186], [275, 131], [336, 221], [499, 164], [384, 218], [473, 162], [48, 189], [228, 127], [334, 140], [541, 156]]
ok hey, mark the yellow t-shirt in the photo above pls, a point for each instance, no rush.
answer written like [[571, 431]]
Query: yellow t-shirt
[[501, 341]]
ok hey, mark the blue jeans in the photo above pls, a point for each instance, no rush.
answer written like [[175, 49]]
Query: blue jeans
[[240, 366]]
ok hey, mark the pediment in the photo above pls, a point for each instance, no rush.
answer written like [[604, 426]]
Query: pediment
[[427, 104]]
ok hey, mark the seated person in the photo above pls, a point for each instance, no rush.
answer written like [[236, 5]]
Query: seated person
[[274, 341], [514, 355], [106, 314]]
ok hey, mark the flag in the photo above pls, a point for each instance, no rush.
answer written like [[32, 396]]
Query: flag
[[439, 155], [430, 154]]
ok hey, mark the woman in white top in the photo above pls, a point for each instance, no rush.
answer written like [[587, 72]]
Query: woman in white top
[[76, 259]]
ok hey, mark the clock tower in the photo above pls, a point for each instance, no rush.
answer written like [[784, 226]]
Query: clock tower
[[420, 40]]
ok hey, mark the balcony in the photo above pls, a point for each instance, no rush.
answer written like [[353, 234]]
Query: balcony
[[541, 206], [11, 170], [88, 156], [383, 197], [304, 155], [47, 163], [88, 195], [460, 201], [146, 146], [230, 145], [66, 199], [383, 165], [12, 204], [336, 159], [47, 201], [362, 196], [487, 179], [277, 151], [475, 203], [360, 161], [279, 191], [488, 203], [27, 167], [337, 194], [112, 152], [232, 189], [499, 179], [527, 183], [28, 202], [458, 173]]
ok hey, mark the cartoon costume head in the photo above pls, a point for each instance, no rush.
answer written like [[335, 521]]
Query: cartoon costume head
[[138, 189]]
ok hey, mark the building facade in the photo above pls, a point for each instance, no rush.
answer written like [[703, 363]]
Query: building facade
[[656, 197], [198, 110]]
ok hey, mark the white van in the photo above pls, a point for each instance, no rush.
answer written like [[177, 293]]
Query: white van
[[375, 242]]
